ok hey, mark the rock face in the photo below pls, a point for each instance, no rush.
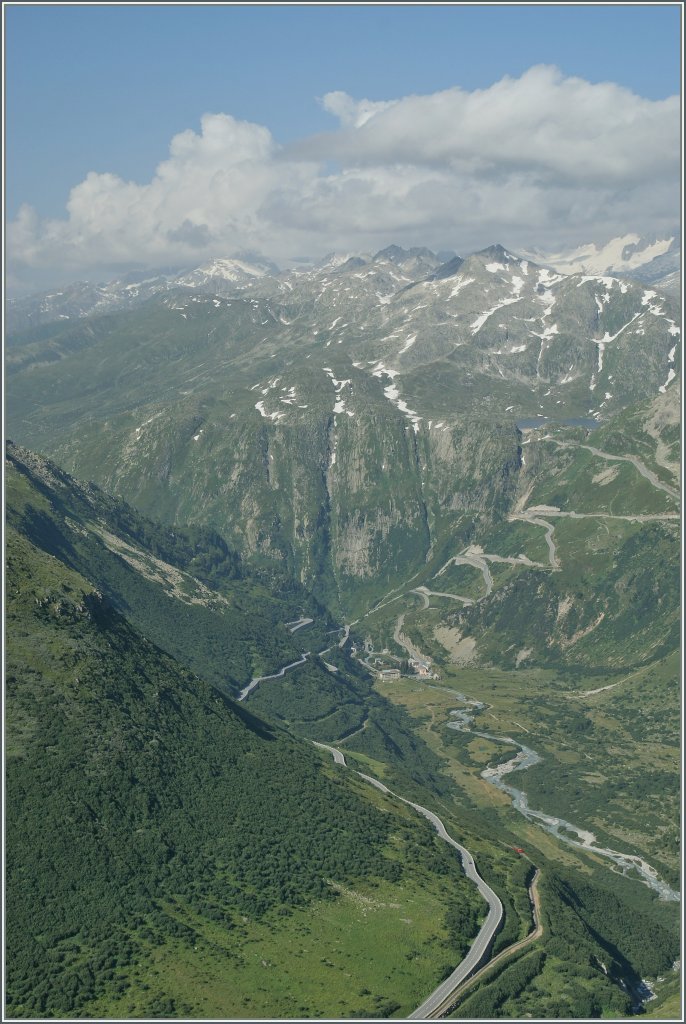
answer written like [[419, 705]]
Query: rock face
[[343, 421]]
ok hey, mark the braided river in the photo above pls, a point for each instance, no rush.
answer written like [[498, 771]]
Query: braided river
[[565, 831]]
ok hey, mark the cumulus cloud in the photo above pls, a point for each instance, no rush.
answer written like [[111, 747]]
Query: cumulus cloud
[[562, 129], [538, 160]]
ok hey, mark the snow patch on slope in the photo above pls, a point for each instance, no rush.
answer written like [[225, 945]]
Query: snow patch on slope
[[408, 344], [392, 394], [481, 320], [460, 283], [268, 415]]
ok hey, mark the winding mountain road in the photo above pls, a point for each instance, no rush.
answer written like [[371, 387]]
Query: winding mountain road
[[476, 962], [636, 462], [536, 932], [482, 943], [260, 679], [556, 513], [298, 624], [476, 560], [426, 594]]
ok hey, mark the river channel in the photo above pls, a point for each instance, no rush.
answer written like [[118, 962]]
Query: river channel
[[558, 827]]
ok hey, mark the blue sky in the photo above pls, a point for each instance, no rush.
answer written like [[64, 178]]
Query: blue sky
[[105, 88]]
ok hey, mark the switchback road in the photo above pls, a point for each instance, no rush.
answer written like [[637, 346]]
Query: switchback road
[[260, 679]]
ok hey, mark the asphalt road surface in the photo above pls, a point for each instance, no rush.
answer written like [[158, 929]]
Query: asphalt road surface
[[481, 945]]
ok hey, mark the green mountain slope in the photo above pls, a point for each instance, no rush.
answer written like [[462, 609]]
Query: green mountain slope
[[189, 594], [475, 467], [609, 502], [183, 587], [560, 622], [343, 427], [155, 829]]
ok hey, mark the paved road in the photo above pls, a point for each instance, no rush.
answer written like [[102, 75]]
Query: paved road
[[426, 593], [260, 679], [635, 462], [481, 945], [556, 513], [536, 933], [293, 626], [531, 517], [336, 754]]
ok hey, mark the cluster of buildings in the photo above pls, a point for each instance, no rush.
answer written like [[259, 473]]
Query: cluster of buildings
[[379, 663], [416, 668], [389, 673]]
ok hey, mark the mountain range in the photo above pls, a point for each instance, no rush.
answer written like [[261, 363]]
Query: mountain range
[[422, 507], [308, 426], [646, 259], [650, 260], [142, 800]]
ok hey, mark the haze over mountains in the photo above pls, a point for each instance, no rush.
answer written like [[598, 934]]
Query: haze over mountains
[[650, 260]]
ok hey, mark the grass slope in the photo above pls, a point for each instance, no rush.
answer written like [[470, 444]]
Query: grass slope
[[183, 588], [159, 836]]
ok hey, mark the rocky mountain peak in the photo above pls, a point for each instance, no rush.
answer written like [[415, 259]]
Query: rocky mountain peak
[[447, 269], [496, 252], [396, 254]]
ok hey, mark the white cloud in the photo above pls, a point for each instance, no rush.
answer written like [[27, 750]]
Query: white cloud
[[352, 113], [564, 129], [541, 160]]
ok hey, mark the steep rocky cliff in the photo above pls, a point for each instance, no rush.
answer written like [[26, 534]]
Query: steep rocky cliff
[[347, 421]]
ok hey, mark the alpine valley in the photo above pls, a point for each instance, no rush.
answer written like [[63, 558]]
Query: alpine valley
[[297, 560]]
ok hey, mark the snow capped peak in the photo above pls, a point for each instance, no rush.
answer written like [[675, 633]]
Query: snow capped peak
[[620, 255], [497, 253], [227, 270], [231, 268], [496, 259]]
